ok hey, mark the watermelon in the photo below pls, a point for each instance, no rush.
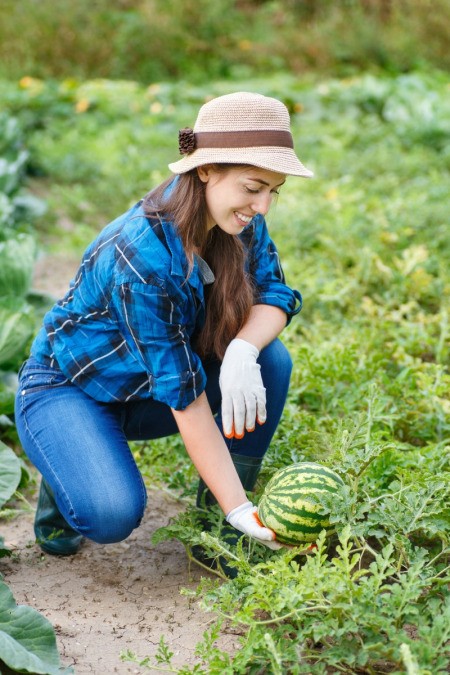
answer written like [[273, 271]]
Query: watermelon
[[286, 507]]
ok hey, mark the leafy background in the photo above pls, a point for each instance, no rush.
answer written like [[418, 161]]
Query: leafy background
[[89, 126]]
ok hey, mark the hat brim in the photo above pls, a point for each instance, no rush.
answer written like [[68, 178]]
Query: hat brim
[[280, 160]]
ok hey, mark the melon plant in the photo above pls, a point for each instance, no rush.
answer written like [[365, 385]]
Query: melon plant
[[290, 504]]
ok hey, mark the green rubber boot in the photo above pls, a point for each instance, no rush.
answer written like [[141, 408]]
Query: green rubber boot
[[247, 469], [53, 533]]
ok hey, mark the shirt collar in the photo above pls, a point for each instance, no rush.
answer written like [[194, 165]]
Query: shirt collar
[[206, 273], [201, 272]]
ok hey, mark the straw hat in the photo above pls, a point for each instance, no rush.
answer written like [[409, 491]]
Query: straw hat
[[241, 128]]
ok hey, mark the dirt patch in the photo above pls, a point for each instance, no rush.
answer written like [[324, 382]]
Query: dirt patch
[[107, 599], [53, 273]]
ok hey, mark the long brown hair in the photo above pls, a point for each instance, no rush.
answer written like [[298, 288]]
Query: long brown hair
[[230, 298]]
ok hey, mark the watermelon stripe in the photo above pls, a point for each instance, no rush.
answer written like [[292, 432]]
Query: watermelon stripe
[[308, 470], [286, 506], [301, 503], [298, 481], [279, 510], [308, 538], [286, 527], [304, 489], [300, 473], [301, 525]]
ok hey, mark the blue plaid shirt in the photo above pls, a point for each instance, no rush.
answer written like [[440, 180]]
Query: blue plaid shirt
[[123, 330]]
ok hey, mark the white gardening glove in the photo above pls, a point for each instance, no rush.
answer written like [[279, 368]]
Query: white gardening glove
[[245, 519], [243, 392]]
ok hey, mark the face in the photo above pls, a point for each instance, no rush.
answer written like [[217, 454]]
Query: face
[[234, 196]]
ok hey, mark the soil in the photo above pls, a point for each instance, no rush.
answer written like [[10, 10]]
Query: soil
[[108, 599], [52, 274]]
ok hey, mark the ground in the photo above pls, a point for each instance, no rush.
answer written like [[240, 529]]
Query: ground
[[108, 599]]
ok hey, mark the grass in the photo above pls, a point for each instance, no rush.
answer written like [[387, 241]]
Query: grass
[[180, 39]]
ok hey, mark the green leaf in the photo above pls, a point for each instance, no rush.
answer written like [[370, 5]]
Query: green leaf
[[27, 639], [16, 327], [10, 473], [3, 550], [17, 256]]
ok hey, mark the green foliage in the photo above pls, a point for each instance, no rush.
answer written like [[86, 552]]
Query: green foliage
[[16, 207], [17, 319], [154, 40], [336, 611], [17, 255], [10, 473], [17, 326], [27, 639], [16, 266], [165, 465], [162, 657]]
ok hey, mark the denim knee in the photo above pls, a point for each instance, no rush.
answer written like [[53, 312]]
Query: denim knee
[[107, 521], [276, 364]]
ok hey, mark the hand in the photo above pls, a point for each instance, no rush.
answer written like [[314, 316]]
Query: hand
[[245, 519], [243, 392]]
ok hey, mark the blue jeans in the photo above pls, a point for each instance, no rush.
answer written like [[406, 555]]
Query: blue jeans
[[80, 445]]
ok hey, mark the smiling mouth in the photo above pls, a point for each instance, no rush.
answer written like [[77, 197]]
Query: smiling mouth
[[242, 218]]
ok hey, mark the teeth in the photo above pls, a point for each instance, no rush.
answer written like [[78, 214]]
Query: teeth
[[245, 219]]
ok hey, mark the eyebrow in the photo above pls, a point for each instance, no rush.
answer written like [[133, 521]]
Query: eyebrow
[[263, 182]]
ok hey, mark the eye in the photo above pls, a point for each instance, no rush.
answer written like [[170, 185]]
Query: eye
[[258, 190]]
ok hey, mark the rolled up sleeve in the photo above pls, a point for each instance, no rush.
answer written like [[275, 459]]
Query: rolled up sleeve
[[153, 322]]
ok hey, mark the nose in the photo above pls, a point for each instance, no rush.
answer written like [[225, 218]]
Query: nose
[[261, 202]]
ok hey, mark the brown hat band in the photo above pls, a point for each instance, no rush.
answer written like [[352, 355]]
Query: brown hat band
[[190, 141], [243, 139]]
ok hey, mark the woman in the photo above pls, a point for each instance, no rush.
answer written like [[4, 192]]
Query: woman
[[170, 325]]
